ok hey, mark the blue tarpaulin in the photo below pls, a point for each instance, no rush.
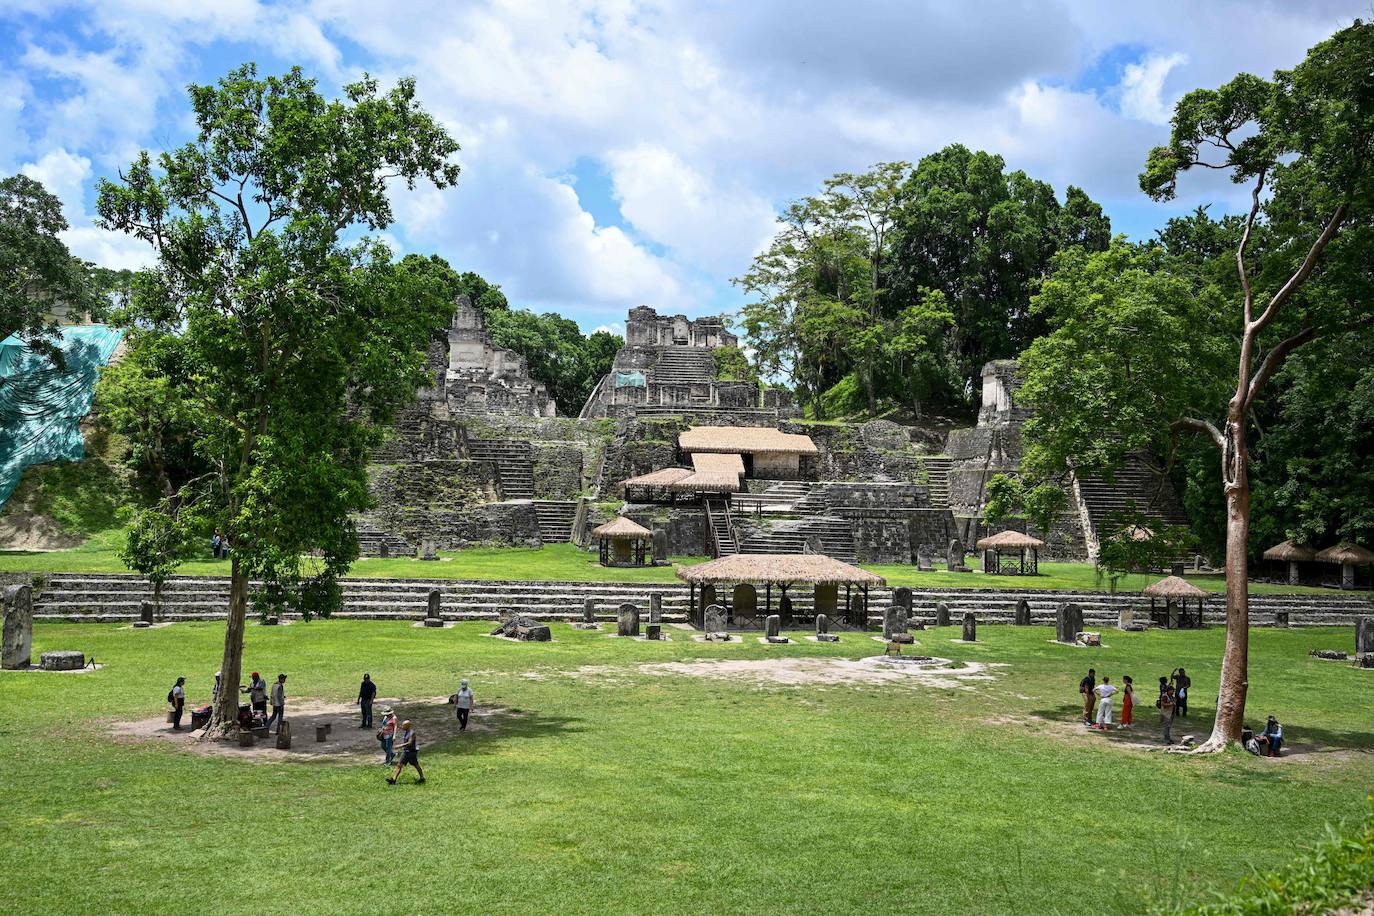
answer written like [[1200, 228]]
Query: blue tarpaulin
[[629, 380], [41, 407]]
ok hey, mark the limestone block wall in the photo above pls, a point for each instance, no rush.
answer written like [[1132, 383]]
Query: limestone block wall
[[559, 472], [449, 502]]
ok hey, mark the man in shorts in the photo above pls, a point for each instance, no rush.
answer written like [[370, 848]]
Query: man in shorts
[[410, 754]]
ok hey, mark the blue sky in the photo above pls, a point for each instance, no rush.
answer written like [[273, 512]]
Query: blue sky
[[625, 152]]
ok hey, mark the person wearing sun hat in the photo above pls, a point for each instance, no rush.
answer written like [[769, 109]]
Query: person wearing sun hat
[[387, 735]]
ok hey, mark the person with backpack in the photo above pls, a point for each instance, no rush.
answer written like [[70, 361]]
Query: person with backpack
[[410, 754], [1086, 688], [177, 697], [387, 735]]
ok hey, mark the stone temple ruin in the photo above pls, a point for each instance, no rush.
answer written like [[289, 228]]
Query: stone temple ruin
[[711, 467]]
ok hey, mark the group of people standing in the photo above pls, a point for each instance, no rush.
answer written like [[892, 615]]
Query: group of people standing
[[1099, 699]]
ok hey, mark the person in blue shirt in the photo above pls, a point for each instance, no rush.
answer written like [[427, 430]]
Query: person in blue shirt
[[1273, 736]]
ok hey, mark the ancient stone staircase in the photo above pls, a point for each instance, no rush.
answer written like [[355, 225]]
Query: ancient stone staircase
[[937, 470], [835, 535], [683, 366], [555, 519], [778, 497], [514, 469], [1134, 484], [718, 516], [115, 598], [371, 542]]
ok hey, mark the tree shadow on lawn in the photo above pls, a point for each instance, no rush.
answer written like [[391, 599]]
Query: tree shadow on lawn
[[1300, 740]]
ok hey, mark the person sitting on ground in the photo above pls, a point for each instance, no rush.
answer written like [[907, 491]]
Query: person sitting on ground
[[366, 692], [1086, 688], [1127, 702], [463, 702], [1104, 692], [257, 694], [1273, 735], [278, 703], [177, 697], [410, 754], [387, 735]]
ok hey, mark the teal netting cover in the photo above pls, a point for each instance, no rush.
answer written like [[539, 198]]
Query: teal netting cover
[[629, 380], [41, 408]]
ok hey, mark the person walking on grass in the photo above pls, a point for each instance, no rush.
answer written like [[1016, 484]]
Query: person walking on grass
[[1127, 702], [366, 692], [387, 735], [278, 703], [177, 697], [1086, 688], [410, 754], [463, 703], [1104, 692], [1166, 713], [1181, 683]]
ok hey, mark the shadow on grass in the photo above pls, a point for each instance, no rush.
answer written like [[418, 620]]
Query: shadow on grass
[[508, 725]]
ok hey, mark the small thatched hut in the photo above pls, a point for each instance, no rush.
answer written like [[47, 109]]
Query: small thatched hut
[[1292, 554], [746, 571], [1349, 556], [1014, 546], [622, 542], [1176, 594]]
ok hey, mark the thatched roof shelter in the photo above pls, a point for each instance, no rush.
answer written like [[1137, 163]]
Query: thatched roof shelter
[[660, 478], [766, 568], [707, 482], [719, 463], [1009, 541], [1346, 553], [1173, 587], [623, 528], [746, 440], [1288, 552]]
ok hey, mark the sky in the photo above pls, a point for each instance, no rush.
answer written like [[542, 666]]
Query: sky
[[626, 152]]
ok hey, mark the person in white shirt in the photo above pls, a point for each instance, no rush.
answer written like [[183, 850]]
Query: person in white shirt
[[463, 702], [1104, 692], [177, 697], [278, 702]]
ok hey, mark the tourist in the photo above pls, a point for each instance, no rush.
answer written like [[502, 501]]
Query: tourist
[[257, 694], [463, 703], [1104, 692], [215, 543], [1273, 735], [387, 735], [278, 702], [1181, 683], [177, 697], [1250, 742], [219, 685], [410, 754], [366, 691], [1166, 713], [1086, 688]]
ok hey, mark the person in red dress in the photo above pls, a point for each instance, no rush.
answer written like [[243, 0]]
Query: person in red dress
[[1127, 702]]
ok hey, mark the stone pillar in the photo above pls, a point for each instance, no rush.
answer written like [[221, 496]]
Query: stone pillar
[[1281, 619], [785, 609], [660, 546], [432, 618], [901, 597], [1068, 622], [145, 614], [627, 622], [1125, 618], [713, 619], [954, 559], [427, 551], [653, 631], [284, 736], [655, 608], [822, 624], [970, 627], [1364, 635], [1022, 616], [18, 628], [589, 610], [772, 626], [894, 622], [941, 614]]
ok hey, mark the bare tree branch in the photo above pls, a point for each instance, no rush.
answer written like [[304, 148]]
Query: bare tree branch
[[1333, 226], [1201, 426]]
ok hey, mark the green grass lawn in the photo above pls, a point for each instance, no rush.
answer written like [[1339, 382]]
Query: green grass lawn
[[613, 789], [566, 562]]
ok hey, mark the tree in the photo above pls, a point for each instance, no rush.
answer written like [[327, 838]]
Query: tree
[[159, 539], [38, 274], [296, 346], [732, 365], [1009, 498]]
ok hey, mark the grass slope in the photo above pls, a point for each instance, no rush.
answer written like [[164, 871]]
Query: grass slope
[[620, 790], [566, 562]]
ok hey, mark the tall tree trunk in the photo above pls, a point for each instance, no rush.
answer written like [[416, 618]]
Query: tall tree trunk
[[226, 710], [868, 386]]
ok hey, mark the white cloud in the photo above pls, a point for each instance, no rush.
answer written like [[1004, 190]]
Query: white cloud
[[65, 176], [1142, 88]]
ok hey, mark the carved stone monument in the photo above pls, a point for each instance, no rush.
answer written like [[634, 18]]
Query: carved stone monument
[[1280, 618], [660, 547], [64, 660], [18, 628], [284, 736], [785, 609], [1068, 621], [655, 608], [823, 633], [895, 623], [773, 629], [427, 550], [1364, 635], [941, 614], [1022, 617], [713, 619], [970, 627], [627, 622], [145, 614], [653, 631], [588, 621], [954, 561], [432, 618]]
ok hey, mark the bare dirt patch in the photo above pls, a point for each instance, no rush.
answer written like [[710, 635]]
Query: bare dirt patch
[[433, 717], [819, 671]]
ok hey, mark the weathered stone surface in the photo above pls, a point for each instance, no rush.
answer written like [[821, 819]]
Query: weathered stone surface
[[1364, 635], [627, 621], [18, 627], [1280, 618], [785, 609], [1367, 660], [822, 624], [653, 631], [901, 597], [248, 739], [62, 660], [428, 551], [970, 627], [1022, 615], [827, 637], [1089, 639], [145, 612], [941, 614], [773, 625], [655, 608], [433, 603], [1329, 654], [1068, 621], [284, 736], [512, 624], [660, 546], [895, 621], [589, 610], [714, 619], [1125, 618], [537, 633], [954, 558]]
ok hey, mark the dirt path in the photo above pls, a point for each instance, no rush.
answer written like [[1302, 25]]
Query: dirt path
[[841, 671]]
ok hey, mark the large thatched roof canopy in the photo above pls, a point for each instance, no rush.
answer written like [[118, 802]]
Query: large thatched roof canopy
[[718, 463], [748, 440], [1009, 540], [763, 568], [660, 478], [707, 482], [1290, 552], [1346, 552], [1173, 587], [623, 528]]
